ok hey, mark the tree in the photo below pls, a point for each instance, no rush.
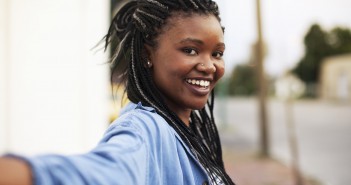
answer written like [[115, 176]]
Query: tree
[[340, 41], [243, 81], [316, 48], [318, 45]]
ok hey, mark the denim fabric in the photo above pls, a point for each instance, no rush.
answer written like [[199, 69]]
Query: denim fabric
[[138, 148]]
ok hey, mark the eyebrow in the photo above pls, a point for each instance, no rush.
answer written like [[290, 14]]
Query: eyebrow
[[200, 42]]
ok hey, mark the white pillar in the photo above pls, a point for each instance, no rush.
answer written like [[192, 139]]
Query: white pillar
[[58, 89]]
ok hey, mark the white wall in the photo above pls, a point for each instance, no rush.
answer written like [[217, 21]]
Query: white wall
[[336, 78], [55, 91], [3, 75]]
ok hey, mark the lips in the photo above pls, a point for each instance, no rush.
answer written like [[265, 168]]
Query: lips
[[198, 87]]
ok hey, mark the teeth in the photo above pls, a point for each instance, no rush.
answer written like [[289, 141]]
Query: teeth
[[202, 83]]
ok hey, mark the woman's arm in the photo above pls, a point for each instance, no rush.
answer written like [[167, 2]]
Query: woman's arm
[[120, 158], [14, 172]]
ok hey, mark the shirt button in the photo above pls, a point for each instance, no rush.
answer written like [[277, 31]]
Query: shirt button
[[205, 183]]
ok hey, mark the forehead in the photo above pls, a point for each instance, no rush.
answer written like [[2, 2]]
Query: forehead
[[191, 25]]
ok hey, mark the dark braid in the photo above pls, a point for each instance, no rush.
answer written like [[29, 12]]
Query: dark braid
[[138, 23]]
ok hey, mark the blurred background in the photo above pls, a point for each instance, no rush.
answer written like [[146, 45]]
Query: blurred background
[[283, 107]]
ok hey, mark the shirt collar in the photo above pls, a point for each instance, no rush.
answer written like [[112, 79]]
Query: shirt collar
[[130, 106]]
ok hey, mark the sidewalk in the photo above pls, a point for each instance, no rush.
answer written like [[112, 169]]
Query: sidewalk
[[246, 168]]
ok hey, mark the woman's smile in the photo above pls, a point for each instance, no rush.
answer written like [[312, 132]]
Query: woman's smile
[[198, 87], [201, 83]]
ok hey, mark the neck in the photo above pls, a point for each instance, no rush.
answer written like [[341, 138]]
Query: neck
[[183, 115], [185, 118]]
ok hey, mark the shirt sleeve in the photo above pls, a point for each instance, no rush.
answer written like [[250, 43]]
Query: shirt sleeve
[[120, 158]]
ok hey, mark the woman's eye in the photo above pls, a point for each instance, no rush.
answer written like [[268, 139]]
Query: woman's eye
[[190, 51], [218, 54]]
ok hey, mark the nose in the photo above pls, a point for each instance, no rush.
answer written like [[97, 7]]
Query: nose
[[206, 67]]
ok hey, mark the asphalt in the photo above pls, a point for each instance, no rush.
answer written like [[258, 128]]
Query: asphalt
[[323, 133]]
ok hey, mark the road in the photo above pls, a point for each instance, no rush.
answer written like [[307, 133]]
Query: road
[[323, 131]]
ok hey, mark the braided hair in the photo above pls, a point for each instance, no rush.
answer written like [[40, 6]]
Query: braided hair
[[138, 22]]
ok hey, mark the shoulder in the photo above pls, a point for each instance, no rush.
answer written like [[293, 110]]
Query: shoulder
[[143, 120]]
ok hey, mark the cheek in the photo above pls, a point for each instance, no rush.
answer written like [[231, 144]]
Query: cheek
[[220, 69]]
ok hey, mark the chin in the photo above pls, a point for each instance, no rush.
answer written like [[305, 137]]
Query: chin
[[198, 106]]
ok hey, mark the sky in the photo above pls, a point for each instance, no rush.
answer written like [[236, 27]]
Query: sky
[[284, 22]]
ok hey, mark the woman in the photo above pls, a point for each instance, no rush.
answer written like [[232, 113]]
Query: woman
[[169, 57]]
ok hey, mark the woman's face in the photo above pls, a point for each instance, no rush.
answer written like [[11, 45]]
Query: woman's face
[[187, 62]]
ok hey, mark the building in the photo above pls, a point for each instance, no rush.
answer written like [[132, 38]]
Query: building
[[54, 89], [335, 78]]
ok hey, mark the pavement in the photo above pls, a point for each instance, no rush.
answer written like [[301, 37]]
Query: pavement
[[248, 168]]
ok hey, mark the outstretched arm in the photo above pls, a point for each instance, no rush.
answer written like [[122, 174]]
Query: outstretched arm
[[14, 172]]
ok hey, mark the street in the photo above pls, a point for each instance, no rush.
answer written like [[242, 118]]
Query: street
[[323, 131]]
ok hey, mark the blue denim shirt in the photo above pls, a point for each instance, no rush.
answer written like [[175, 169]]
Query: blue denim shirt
[[139, 148]]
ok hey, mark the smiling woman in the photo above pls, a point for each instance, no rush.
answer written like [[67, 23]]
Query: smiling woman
[[169, 57], [187, 62]]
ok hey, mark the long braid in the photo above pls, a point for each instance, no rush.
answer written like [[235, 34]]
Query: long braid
[[136, 24]]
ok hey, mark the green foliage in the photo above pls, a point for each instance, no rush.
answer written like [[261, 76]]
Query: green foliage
[[340, 41], [243, 81], [318, 45], [221, 88], [316, 42]]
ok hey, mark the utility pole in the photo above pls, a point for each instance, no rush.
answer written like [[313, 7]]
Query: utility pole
[[264, 140]]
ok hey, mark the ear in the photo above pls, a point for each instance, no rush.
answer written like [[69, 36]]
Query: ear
[[148, 51], [148, 55]]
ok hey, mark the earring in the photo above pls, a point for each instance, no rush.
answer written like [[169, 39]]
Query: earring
[[201, 64], [149, 64]]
